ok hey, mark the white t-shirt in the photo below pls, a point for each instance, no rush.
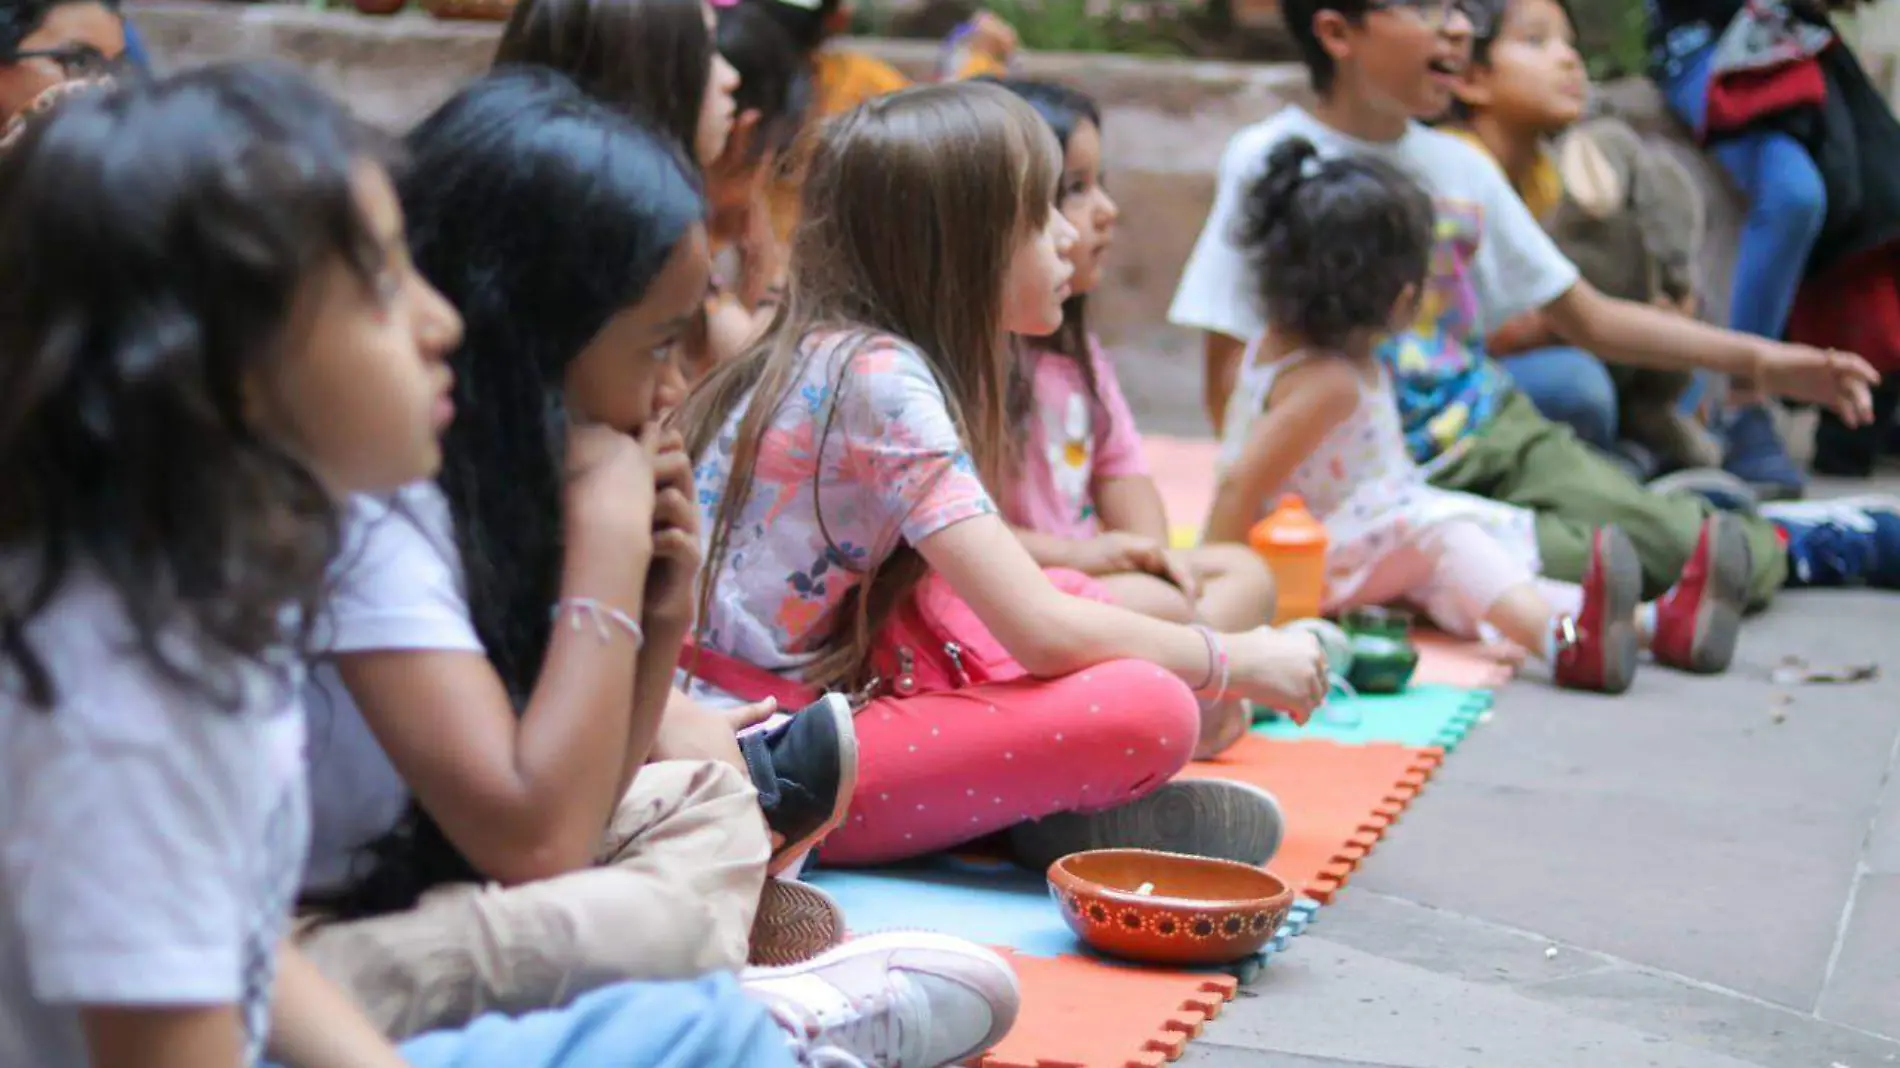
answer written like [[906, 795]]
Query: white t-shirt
[[150, 841], [1490, 262], [397, 584]]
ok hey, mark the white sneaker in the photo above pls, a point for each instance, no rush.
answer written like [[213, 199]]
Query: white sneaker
[[898, 1000]]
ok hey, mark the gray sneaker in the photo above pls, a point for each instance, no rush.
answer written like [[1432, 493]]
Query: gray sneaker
[[900, 1000], [1199, 817]]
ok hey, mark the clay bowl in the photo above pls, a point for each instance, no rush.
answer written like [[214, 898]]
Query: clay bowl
[[1196, 910]]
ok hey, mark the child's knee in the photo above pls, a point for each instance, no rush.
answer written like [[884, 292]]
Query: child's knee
[[1794, 201], [1141, 707]]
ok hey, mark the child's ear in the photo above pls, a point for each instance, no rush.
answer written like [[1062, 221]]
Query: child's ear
[[1473, 88], [1334, 33]]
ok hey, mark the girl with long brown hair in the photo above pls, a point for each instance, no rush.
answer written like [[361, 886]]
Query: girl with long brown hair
[[841, 465]]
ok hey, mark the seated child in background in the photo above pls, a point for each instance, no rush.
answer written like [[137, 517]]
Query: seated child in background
[[1342, 247], [1628, 216], [1082, 497], [609, 50], [841, 79]]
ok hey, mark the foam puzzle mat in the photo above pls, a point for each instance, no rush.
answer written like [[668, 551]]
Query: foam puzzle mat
[[1423, 716], [1338, 799], [1084, 1013]]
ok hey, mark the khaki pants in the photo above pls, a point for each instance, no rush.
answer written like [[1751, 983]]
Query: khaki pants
[[672, 897]]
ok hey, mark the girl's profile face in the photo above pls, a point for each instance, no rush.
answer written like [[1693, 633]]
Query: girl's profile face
[[361, 392], [716, 107], [629, 374], [1084, 201], [1038, 278]]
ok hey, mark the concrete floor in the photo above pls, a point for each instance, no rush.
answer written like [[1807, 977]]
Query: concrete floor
[[1720, 889]]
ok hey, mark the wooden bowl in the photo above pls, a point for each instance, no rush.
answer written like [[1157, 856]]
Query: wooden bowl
[[1195, 910]]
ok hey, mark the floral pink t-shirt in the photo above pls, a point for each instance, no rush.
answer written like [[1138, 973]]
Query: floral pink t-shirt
[[1072, 442], [876, 450]]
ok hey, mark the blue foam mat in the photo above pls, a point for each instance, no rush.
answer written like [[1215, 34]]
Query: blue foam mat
[[994, 904], [1422, 716]]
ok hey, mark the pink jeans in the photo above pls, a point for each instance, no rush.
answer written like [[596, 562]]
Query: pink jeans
[[939, 769]]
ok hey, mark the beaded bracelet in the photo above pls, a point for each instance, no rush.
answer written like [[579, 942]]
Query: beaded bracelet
[[602, 614]]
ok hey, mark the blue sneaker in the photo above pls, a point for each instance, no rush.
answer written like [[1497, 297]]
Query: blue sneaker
[[1756, 455], [1849, 541]]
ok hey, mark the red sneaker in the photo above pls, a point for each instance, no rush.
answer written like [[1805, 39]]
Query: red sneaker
[[1698, 619], [1603, 656]]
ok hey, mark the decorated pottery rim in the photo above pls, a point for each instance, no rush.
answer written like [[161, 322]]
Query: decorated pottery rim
[[1062, 878]]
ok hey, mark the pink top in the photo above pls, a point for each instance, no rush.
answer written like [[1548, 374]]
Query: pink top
[[1071, 445]]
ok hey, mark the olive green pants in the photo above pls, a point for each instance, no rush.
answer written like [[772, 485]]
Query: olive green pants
[[1525, 459]]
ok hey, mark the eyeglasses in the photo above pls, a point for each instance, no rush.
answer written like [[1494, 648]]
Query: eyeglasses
[[1436, 14], [77, 61]]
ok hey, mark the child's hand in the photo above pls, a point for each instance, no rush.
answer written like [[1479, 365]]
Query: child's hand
[[1284, 670], [1183, 574], [1839, 380], [1119, 553], [610, 489], [676, 558]]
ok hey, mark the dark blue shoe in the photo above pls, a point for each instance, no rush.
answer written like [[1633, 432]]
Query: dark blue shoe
[[1851, 541], [1754, 453]]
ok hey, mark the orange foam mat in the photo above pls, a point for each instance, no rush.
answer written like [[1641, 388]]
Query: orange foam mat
[[1451, 661], [1338, 799], [1081, 1013]]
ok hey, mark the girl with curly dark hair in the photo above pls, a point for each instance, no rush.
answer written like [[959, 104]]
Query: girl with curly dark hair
[[1343, 247]]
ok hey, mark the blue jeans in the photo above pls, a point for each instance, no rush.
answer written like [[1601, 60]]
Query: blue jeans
[[1787, 203], [703, 1023], [1569, 386]]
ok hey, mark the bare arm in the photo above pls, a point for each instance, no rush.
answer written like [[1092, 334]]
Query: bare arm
[[209, 1036], [1050, 550], [523, 797], [1132, 504], [652, 694], [1641, 336], [1221, 366], [1308, 401], [314, 1024], [1645, 336]]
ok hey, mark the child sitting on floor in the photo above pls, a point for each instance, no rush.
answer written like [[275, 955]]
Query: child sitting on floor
[[843, 466], [1081, 496], [1629, 216], [1342, 248], [614, 52], [841, 79]]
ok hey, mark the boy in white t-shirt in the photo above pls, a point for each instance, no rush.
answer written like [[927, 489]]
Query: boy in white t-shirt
[[1379, 64]]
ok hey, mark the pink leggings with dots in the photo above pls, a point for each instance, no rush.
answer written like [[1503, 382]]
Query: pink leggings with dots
[[940, 769]]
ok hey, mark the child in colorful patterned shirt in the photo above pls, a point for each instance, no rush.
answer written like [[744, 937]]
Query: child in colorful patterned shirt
[[843, 471]]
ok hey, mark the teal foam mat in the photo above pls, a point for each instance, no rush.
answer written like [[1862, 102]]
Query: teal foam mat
[[991, 903], [1425, 715]]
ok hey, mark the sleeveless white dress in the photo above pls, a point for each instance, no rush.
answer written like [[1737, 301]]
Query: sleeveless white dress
[[1363, 484]]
